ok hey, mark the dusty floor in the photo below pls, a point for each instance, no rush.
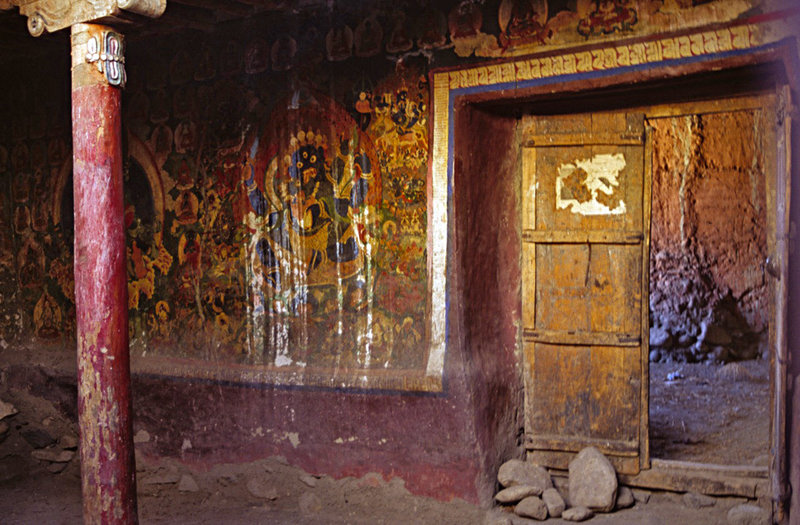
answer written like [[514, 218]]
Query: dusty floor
[[223, 497], [710, 414]]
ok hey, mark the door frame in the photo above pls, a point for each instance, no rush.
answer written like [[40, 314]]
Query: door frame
[[509, 89]]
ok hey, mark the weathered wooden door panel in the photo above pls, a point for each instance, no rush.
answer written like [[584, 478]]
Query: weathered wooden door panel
[[583, 282], [598, 405], [585, 227]]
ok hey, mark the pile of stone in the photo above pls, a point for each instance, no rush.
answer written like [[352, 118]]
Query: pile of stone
[[528, 489], [56, 453], [691, 320]]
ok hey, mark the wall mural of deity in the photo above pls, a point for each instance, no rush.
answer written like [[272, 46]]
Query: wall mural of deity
[[313, 183], [292, 241], [277, 186]]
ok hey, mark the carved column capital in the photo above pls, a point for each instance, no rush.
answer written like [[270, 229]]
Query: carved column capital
[[52, 15], [98, 56]]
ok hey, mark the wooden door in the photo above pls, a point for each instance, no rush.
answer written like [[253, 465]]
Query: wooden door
[[586, 216]]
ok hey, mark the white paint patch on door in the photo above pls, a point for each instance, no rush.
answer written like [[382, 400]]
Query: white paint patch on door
[[598, 174]]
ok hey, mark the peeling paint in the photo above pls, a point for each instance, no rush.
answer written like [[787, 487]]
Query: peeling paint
[[600, 175], [293, 437]]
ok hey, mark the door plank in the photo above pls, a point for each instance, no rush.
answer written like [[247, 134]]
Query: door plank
[[583, 237], [584, 300], [557, 337], [583, 139]]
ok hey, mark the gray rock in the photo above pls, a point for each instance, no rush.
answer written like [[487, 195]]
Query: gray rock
[[592, 481], [162, 476], [624, 498], [641, 496], [734, 373], [561, 484], [554, 502], [37, 437], [748, 515], [516, 493], [7, 409], [714, 335], [693, 500], [68, 442], [531, 507], [518, 472], [141, 436], [262, 489], [3, 429], [188, 484], [53, 455], [577, 514], [308, 480], [227, 479], [56, 468], [660, 336], [309, 504]]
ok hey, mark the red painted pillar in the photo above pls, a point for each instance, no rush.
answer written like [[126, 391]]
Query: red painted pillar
[[108, 473]]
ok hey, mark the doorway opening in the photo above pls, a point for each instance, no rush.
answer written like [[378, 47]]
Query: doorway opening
[[709, 288]]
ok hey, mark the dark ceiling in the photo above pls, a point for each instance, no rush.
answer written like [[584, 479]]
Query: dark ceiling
[[203, 15]]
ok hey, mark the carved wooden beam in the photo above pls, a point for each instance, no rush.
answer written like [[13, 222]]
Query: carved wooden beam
[[52, 15]]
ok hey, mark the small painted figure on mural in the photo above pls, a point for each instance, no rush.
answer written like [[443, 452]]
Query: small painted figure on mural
[[283, 53], [431, 29], [256, 56], [47, 317], [523, 22], [368, 37], [363, 109], [604, 17]]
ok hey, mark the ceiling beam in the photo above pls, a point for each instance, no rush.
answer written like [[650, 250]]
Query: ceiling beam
[[229, 7]]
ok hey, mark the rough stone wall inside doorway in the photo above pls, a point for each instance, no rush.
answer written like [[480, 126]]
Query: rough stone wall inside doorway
[[708, 293]]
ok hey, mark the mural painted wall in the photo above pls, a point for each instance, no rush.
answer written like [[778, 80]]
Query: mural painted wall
[[279, 229], [277, 184]]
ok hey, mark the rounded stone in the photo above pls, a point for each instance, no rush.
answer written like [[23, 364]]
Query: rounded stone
[[516, 493], [624, 498], [554, 502], [518, 472], [577, 514], [748, 515], [531, 507], [592, 481]]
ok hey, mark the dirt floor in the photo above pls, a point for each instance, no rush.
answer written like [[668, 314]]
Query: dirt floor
[[707, 413], [222, 495], [710, 413]]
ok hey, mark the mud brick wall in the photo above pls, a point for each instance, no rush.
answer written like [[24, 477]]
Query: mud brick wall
[[708, 293]]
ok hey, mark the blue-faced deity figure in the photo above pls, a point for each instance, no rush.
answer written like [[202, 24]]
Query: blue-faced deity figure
[[313, 215]]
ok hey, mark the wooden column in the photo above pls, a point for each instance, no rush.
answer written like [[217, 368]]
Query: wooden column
[[101, 298]]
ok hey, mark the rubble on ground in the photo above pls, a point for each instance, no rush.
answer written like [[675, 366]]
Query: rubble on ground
[[591, 488]]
